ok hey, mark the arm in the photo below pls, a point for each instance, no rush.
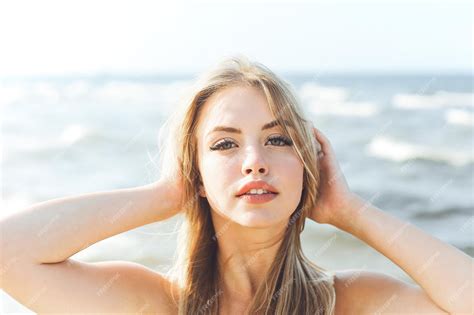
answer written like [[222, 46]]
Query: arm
[[443, 272], [36, 243], [52, 231]]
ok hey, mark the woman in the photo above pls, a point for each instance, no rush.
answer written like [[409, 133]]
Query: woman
[[246, 169]]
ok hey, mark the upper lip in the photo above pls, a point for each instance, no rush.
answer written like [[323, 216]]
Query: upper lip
[[258, 184]]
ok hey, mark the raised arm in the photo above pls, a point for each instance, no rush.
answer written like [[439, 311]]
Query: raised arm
[[54, 230], [443, 272], [36, 244]]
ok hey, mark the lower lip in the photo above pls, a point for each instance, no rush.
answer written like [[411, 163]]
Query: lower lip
[[258, 198]]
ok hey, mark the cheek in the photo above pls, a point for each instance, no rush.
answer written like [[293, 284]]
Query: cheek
[[220, 175], [289, 166], [290, 175]]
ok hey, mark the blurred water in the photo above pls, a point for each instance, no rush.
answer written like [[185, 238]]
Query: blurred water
[[404, 141]]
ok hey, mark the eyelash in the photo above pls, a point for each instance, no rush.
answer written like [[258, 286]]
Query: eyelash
[[220, 146]]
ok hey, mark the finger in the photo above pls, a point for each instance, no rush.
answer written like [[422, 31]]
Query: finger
[[319, 147], [324, 141], [320, 136]]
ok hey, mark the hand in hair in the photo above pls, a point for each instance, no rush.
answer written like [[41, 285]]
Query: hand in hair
[[174, 187], [334, 195]]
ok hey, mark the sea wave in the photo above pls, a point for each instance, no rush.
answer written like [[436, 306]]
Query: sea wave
[[436, 100], [443, 213], [70, 134], [323, 100], [459, 117], [117, 92], [394, 150]]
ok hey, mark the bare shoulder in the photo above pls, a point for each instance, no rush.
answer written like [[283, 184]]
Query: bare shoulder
[[361, 291], [73, 286], [158, 293]]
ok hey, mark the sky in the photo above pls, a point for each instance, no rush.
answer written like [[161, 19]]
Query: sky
[[40, 38]]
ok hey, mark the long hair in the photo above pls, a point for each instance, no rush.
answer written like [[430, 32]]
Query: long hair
[[293, 284]]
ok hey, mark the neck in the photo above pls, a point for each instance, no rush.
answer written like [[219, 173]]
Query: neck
[[244, 256]]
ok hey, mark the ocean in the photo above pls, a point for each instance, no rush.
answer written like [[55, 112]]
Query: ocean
[[404, 141]]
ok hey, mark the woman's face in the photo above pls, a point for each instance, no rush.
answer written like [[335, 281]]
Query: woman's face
[[228, 160]]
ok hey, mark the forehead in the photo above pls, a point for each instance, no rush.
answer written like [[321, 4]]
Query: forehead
[[235, 106]]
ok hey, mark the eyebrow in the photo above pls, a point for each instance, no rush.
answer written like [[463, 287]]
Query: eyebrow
[[269, 125]]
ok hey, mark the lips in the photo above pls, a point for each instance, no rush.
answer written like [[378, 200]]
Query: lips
[[259, 184]]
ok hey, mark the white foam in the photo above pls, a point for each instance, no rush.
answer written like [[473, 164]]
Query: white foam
[[17, 143], [364, 109], [436, 100], [323, 93], [394, 150], [72, 133], [333, 101], [459, 117], [164, 96]]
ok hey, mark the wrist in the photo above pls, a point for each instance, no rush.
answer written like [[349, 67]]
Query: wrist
[[162, 199], [347, 219]]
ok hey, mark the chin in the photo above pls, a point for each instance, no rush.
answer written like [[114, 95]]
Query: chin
[[258, 218]]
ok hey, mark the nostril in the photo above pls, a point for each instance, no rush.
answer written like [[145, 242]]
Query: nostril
[[260, 170]]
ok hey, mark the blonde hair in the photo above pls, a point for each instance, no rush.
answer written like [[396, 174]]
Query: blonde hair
[[293, 284]]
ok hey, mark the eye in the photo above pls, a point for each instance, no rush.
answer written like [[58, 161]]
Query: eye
[[281, 139], [222, 145]]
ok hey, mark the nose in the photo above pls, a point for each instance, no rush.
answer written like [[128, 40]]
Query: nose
[[254, 163]]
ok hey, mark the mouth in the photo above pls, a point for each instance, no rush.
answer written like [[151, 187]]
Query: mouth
[[257, 192], [256, 188], [258, 198]]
